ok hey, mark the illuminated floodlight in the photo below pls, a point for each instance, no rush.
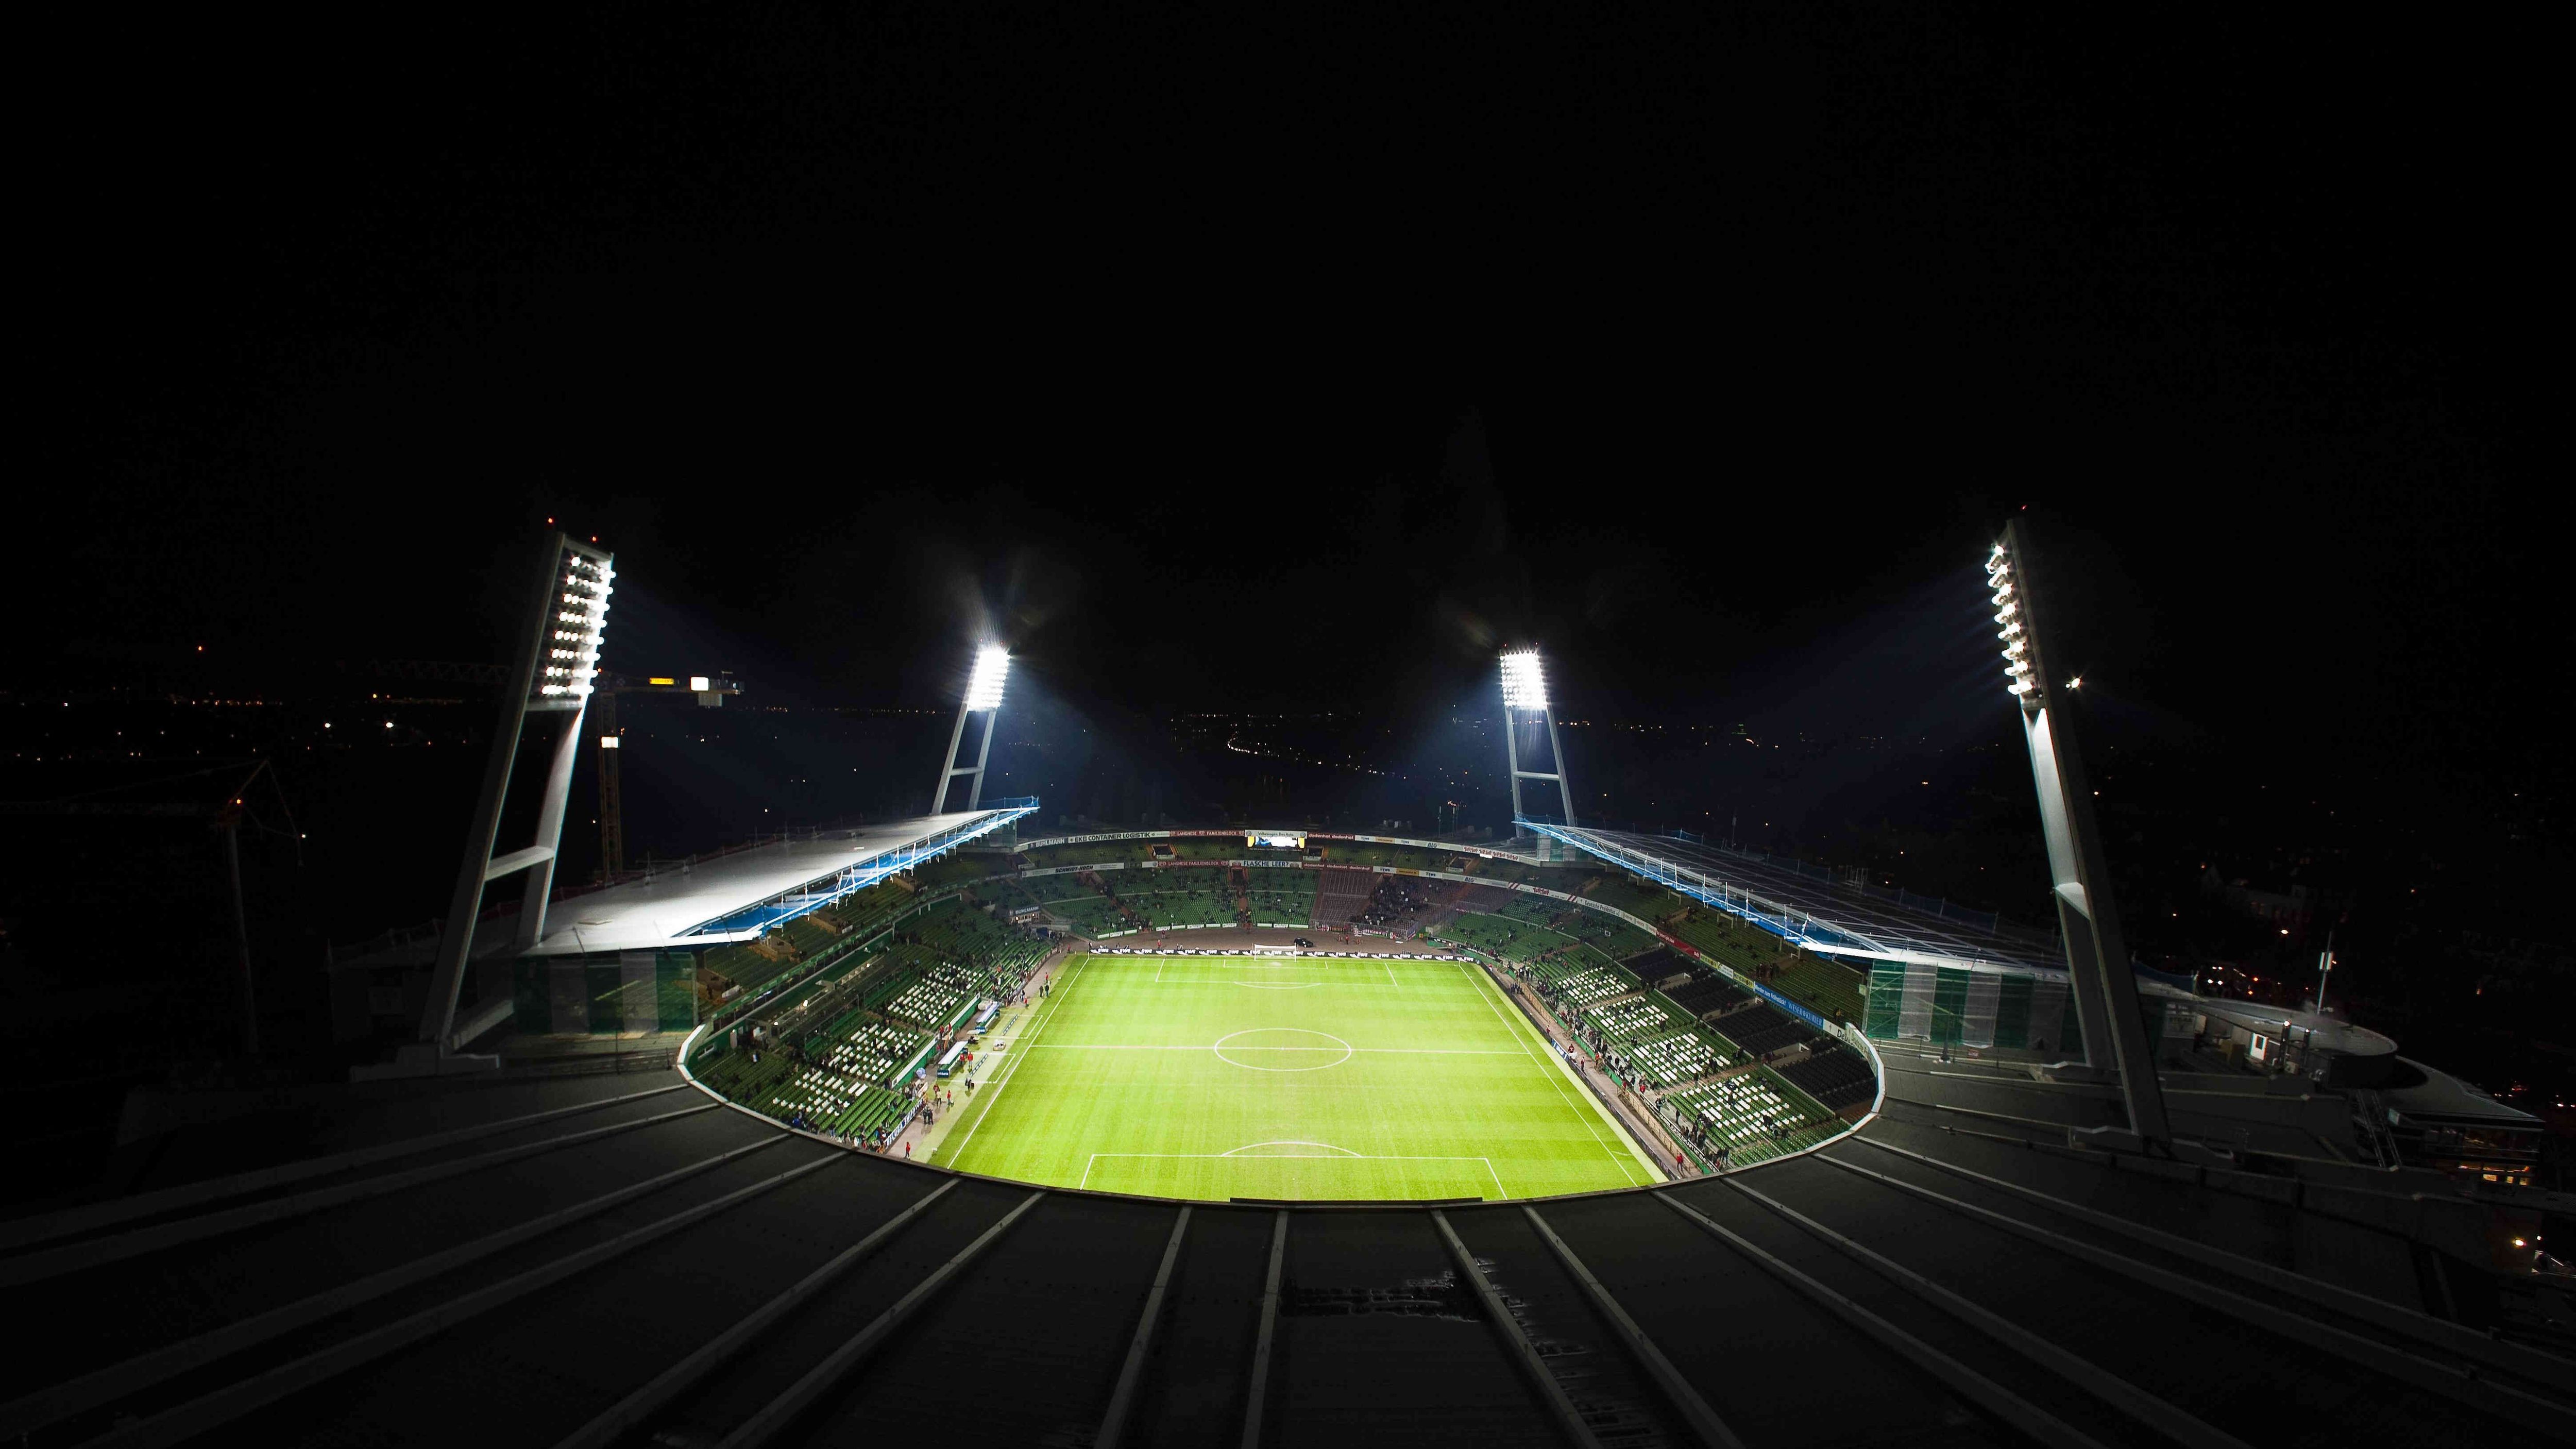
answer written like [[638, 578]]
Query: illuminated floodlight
[[1524, 683], [992, 666], [2097, 957], [580, 609], [559, 661], [2020, 680], [1525, 693]]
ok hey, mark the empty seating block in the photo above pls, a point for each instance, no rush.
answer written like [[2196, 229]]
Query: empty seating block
[[1587, 986], [1281, 897], [1754, 1116], [1342, 894], [1676, 1057], [1834, 1075]]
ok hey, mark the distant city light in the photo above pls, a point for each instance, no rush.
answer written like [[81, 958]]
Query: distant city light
[[1524, 683], [992, 666]]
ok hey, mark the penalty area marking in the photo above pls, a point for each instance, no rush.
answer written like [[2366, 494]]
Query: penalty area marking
[[1333, 1154], [1329, 1149]]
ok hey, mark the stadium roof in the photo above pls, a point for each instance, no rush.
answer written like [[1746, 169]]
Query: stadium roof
[[734, 897], [1801, 904]]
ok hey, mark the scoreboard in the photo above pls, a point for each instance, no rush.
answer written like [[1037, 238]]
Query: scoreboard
[[1275, 840]]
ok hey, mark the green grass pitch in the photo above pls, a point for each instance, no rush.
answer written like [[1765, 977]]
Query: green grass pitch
[[1236, 1076]]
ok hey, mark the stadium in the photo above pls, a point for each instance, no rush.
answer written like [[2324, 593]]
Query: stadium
[[1257, 1133]]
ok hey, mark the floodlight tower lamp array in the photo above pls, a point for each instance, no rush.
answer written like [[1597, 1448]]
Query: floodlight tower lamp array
[[580, 620], [2097, 956], [558, 662], [1525, 693], [983, 695]]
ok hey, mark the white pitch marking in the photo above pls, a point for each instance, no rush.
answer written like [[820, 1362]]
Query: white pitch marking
[[1088, 1046], [1329, 1149], [1477, 979], [1220, 1048], [1011, 1068]]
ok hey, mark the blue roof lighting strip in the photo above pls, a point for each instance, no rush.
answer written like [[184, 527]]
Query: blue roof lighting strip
[[822, 891], [1665, 874]]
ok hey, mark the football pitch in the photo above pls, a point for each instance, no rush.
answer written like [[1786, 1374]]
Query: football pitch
[[1288, 1077]]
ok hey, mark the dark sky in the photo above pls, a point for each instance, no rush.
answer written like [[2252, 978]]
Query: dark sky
[[1223, 366]]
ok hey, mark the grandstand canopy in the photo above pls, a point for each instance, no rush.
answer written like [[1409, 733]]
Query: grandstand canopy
[[737, 895], [1811, 907], [2319, 1033]]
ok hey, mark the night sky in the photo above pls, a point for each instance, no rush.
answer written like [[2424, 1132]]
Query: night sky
[[1220, 367]]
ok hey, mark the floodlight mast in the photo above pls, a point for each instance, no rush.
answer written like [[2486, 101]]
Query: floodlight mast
[[558, 660], [983, 694], [1525, 693], [2097, 954]]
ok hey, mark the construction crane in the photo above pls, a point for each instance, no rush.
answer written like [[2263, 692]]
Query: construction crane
[[710, 689]]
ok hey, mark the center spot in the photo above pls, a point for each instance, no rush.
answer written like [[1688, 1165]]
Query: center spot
[[1283, 1049]]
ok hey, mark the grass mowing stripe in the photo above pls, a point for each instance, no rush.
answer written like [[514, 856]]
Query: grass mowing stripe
[[1010, 1069], [1412, 1099], [1477, 974]]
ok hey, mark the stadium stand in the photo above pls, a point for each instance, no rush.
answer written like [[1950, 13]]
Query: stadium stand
[[1609, 935], [1750, 1116], [1502, 937], [958, 868], [1649, 1043], [1813, 982], [1401, 902], [1675, 1057], [1760, 1029], [1832, 1074], [1088, 852], [1707, 993], [1573, 986], [858, 1045], [1281, 897], [1658, 964], [1636, 897], [1188, 897], [1342, 894]]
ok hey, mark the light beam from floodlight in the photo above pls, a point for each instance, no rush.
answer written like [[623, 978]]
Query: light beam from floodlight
[[2097, 954], [984, 694], [1525, 692]]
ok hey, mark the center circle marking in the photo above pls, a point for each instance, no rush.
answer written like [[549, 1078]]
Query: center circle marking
[[1289, 1049]]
